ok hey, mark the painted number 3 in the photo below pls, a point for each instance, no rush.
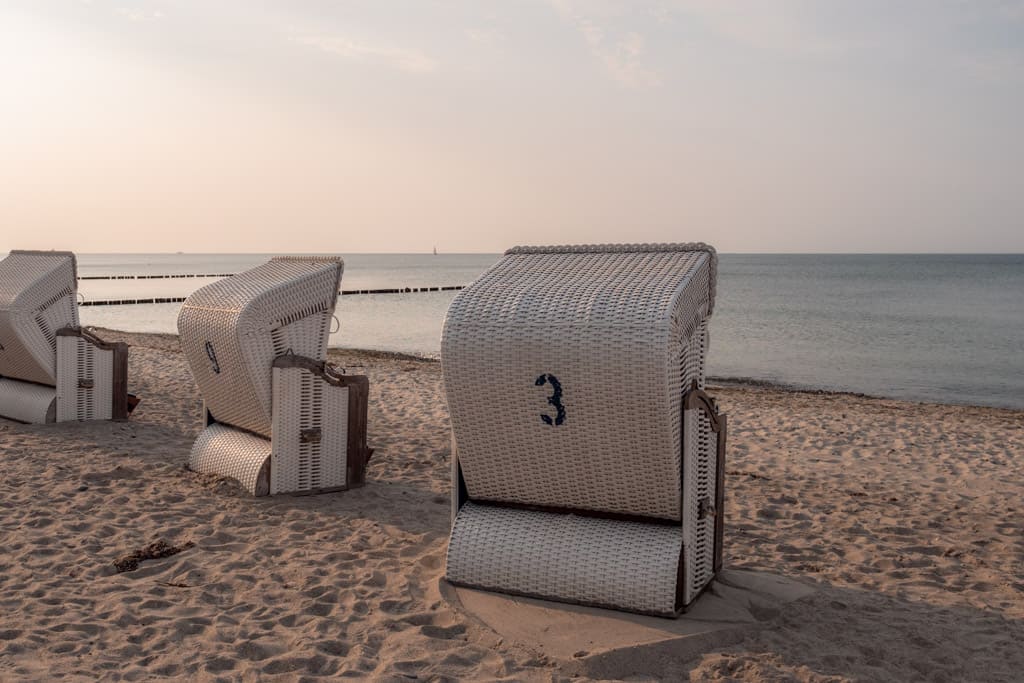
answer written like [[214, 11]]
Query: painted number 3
[[555, 399]]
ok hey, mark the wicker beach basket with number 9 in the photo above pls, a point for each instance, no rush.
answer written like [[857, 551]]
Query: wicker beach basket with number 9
[[279, 418]]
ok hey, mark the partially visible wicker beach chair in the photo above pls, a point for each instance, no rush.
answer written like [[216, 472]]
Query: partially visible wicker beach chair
[[279, 418], [51, 370], [587, 460]]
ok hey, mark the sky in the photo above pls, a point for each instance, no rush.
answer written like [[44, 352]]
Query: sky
[[380, 126]]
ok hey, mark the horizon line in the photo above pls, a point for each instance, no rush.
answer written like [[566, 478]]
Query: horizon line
[[499, 253]]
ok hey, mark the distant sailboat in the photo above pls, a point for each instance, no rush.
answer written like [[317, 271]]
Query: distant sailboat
[[435, 251]]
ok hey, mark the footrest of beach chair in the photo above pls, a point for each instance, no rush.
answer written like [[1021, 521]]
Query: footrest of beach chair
[[27, 402], [627, 565], [230, 452]]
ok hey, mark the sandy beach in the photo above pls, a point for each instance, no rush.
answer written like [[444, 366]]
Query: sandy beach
[[909, 517]]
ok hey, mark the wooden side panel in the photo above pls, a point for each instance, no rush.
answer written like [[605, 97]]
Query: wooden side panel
[[358, 452], [119, 400]]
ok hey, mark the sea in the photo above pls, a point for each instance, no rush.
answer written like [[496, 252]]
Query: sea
[[935, 328]]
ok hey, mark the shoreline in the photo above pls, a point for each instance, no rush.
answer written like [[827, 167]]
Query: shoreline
[[748, 383]]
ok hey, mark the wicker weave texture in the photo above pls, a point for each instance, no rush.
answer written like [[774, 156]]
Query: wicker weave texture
[[85, 380], [691, 502], [633, 249], [703, 542], [26, 402], [231, 331], [310, 439], [620, 330], [623, 565], [37, 297], [232, 453]]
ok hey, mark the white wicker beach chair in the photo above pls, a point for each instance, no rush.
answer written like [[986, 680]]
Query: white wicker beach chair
[[587, 460], [279, 418], [51, 370]]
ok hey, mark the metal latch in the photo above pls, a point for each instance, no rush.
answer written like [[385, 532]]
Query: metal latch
[[85, 384], [705, 508], [310, 435]]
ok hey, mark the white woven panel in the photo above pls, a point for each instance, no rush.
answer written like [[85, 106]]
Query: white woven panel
[[699, 480], [703, 548], [37, 298], [623, 565], [231, 331], [230, 453], [610, 324], [78, 363], [303, 401], [26, 402], [691, 447]]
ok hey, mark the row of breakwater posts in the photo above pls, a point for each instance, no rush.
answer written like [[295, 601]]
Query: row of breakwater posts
[[150, 277], [180, 299]]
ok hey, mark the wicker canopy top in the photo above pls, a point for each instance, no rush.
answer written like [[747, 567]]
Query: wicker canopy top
[[643, 248], [28, 278], [628, 285], [37, 298], [231, 331], [245, 289]]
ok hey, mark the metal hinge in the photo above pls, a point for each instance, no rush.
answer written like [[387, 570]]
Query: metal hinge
[[312, 435], [85, 384], [705, 508]]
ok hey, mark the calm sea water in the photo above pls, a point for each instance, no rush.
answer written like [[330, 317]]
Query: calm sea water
[[944, 328]]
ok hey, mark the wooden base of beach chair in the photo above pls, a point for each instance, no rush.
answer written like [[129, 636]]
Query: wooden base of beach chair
[[319, 435]]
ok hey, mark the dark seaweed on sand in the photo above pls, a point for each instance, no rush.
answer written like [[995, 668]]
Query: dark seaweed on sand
[[153, 551]]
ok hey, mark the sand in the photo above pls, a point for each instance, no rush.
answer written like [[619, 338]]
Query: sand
[[909, 517]]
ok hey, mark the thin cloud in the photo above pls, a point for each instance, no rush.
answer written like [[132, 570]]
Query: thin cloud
[[379, 54], [784, 27], [135, 14], [624, 62], [485, 36], [995, 68], [623, 58], [947, 33]]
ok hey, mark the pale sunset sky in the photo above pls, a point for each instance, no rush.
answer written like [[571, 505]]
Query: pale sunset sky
[[380, 126]]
